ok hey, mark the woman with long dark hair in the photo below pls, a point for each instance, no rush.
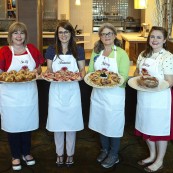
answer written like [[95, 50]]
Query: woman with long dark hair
[[65, 111]]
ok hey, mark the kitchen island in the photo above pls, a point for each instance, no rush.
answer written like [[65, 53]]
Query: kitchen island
[[134, 44]]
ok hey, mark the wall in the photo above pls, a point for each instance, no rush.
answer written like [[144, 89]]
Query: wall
[[150, 13], [82, 16], [135, 13], [63, 9], [151, 16]]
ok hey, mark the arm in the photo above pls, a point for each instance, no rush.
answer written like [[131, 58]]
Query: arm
[[37, 56], [123, 63], [91, 63], [81, 60], [169, 79], [167, 69], [49, 66], [38, 69], [81, 65], [136, 73], [50, 54]]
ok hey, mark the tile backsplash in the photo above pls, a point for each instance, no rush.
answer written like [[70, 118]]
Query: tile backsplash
[[50, 25], [4, 24]]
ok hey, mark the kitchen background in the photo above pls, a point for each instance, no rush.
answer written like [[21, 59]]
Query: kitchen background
[[87, 17]]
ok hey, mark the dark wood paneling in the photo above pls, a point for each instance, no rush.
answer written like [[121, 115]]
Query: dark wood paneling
[[30, 13]]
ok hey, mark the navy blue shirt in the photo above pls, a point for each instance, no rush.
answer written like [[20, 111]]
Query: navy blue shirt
[[50, 53]]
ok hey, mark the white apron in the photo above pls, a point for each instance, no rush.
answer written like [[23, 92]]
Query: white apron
[[107, 105], [19, 101], [153, 113], [65, 110]]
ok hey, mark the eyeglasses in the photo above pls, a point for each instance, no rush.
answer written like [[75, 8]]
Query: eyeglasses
[[66, 33], [109, 34]]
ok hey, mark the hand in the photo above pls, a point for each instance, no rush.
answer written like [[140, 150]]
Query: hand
[[48, 71], [145, 72]]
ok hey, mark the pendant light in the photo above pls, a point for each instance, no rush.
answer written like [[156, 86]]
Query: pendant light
[[77, 2], [140, 4]]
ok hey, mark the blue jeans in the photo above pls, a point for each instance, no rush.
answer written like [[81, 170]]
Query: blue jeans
[[110, 144]]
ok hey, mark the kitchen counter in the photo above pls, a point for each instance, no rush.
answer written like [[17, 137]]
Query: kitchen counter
[[134, 44], [51, 35], [46, 35], [48, 38], [133, 37]]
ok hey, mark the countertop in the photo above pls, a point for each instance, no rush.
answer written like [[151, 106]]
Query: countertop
[[50, 35], [133, 36], [46, 35]]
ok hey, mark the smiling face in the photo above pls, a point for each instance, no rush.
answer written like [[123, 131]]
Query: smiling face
[[107, 36], [156, 40], [18, 38], [64, 35]]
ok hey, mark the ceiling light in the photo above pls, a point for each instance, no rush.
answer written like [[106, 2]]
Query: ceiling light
[[77, 2], [140, 4]]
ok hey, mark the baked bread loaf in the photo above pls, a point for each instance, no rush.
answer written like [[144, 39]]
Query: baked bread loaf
[[148, 82]]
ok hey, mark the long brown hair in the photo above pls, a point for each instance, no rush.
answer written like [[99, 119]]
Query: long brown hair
[[72, 47], [148, 51], [99, 45]]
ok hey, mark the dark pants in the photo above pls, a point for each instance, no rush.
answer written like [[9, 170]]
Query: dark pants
[[20, 144], [110, 144]]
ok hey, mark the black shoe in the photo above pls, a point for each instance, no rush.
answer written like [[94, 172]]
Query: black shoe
[[103, 154], [110, 161]]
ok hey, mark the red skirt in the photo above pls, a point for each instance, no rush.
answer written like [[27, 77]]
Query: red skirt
[[159, 138]]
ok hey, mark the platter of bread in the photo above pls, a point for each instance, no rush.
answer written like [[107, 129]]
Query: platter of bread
[[21, 76], [103, 79], [61, 76], [148, 83]]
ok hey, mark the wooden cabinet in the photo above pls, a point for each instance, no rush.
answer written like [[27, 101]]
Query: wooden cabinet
[[50, 9], [134, 44], [2, 9], [135, 48], [11, 9], [8, 9]]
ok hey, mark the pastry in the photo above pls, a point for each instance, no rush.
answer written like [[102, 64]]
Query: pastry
[[104, 78], [148, 81]]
